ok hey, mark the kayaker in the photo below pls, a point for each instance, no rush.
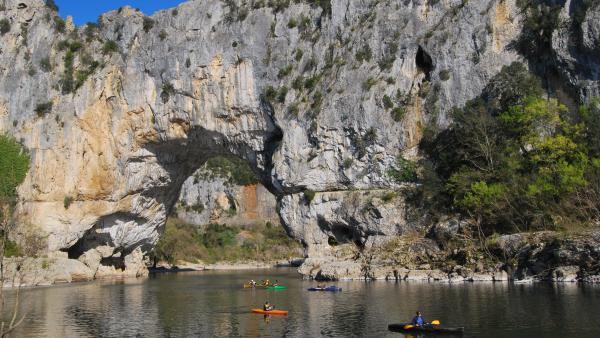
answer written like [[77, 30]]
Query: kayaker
[[267, 306], [418, 320], [252, 282], [276, 283]]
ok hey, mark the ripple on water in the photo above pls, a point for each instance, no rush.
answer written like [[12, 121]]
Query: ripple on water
[[214, 304]]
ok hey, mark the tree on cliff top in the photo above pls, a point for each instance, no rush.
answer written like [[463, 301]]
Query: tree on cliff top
[[14, 164]]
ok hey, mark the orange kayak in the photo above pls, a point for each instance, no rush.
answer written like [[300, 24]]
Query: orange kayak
[[272, 312]]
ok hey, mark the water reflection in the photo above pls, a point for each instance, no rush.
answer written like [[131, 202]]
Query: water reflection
[[213, 303]]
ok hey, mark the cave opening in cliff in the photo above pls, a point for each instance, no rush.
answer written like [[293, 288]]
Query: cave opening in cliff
[[424, 63], [342, 235]]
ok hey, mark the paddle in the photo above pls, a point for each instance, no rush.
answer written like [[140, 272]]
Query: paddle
[[410, 326]]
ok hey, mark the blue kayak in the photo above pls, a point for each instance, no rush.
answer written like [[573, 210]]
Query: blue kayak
[[329, 288]]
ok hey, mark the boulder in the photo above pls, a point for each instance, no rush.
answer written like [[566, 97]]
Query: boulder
[[565, 274]]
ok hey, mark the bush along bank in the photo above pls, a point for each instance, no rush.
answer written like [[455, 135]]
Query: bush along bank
[[261, 244]]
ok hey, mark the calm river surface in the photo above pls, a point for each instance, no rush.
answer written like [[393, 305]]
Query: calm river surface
[[214, 304]]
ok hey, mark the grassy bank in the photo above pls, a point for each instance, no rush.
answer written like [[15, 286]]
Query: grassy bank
[[224, 243]]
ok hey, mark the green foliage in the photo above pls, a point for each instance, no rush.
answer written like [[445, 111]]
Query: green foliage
[[14, 164], [45, 64], [294, 109], [405, 171], [366, 140], [364, 54], [67, 201], [4, 26], [387, 102], [510, 87], [270, 93], [398, 113], [389, 196], [237, 170], [309, 195], [348, 162], [167, 90], [298, 83], [370, 136], [59, 24], [483, 198], [282, 94], [298, 54], [541, 19], [147, 24], [591, 120], [285, 71], [110, 47], [41, 109], [512, 160], [52, 5], [311, 82], [292, 23], [11, 248], [219, 242], [163, 35], [324, 4], [369, 83], [444, 75], [178, 242], [90, 30], [67, 83]]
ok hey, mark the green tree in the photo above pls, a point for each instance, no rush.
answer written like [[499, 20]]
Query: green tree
[[511, 160], [14, 164]]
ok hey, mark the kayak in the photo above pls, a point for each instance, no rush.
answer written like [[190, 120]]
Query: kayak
[[272, 312], [428, 328], [329, 288], [271, 287]]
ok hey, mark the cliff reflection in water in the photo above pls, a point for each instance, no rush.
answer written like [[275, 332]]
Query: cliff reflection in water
[[215, 304]]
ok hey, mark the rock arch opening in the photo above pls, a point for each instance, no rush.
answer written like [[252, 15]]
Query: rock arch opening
[[163, 168]]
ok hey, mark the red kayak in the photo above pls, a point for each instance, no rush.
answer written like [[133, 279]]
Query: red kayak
[[271, 312]]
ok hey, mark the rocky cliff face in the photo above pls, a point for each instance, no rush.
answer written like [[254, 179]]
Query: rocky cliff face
[[208, 198], [316, 98]]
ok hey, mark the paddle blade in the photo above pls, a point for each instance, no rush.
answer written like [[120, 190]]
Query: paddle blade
[[435, 322], [406, 327]]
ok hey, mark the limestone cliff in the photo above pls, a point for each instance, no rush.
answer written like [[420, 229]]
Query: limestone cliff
[[316, 98]]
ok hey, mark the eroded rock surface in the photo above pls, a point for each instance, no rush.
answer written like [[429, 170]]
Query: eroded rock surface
[[208, 198]]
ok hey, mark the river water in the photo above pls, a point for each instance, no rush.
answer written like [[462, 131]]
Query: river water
[[214, 304]]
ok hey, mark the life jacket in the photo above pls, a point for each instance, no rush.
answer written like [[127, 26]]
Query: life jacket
[[418, 320]]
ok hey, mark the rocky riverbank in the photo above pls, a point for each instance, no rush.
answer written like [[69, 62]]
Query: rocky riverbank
[[522, 257]]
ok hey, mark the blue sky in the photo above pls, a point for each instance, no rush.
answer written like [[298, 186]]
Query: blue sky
[[89, 10]]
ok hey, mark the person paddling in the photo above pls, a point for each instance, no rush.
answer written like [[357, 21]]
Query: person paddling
[[267, 306], [418, 320]]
